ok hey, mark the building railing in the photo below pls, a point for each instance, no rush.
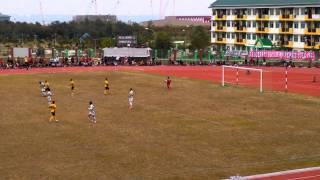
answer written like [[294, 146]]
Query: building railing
[[220, 27], [312, 30], [286, 30]]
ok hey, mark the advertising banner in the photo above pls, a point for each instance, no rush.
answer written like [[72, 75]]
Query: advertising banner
[[286, 55]]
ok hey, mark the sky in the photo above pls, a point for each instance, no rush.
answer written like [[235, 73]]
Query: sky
[[33, 10]]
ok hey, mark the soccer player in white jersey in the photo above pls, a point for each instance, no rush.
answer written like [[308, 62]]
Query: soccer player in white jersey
[[49, 97], [130, 98], [42, 88], [92, 113]]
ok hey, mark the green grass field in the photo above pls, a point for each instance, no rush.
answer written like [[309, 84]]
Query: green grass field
[[196, 131]]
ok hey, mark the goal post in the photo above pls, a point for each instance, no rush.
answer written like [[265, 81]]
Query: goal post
[[237, 69]]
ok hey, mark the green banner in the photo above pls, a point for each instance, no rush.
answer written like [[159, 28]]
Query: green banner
[[181, 53], [196, 55], [66, 53], [79, 52], [155, 53], [91, 53]]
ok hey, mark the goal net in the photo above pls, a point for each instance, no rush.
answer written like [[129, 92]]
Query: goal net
[[243, 76]]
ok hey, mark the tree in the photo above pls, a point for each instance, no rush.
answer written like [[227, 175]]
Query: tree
[[107, 42], [163, 41], [200, 38]]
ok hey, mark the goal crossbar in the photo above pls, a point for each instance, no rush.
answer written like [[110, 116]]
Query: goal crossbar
[[242, 68]]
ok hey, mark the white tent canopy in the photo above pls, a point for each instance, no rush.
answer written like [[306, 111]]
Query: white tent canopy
[[127, 52]]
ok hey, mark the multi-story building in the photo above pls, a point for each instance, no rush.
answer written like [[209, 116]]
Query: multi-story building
[[291, 24], [180, 21], [4, 17], [103, 18]]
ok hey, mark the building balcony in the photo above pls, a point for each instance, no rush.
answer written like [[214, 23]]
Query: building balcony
[[313, 17], [287, 17], [231, 17], [286, 30], [220, 17], [274, 30], [241, 29], [316, 17], [221, 29], [241, 17], [230, 41], [310, 45], [263, 18], [230, 29], [221, 40], [240, 41], [262, 30], [252, 30], [251, 17], [312, 31], [287, 44]]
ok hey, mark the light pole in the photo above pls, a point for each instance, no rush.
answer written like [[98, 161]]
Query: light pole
[[95, 46], [153, 32], [185, 31]]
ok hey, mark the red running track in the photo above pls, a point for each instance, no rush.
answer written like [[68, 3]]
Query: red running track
[[300, 174], [300, 80]]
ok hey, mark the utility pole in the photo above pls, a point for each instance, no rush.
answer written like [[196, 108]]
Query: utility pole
[[55, 40], [95, 46]]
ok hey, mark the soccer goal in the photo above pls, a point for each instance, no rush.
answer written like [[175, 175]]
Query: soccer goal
[[242, 76]]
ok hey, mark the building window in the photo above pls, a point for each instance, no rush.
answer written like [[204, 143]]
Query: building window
[[214, 12], [214, 35], [228, 24], [233, 36], [271, 12], [271, 37], [277, 37], [271, 24], [277, 24], [317, 11], [303, 25], [249, 11], [228, 12], [278, 12], [296, 11], [254, 24], [228, 35], [248, 36], [295, 38], [254, 36], [296, 25]]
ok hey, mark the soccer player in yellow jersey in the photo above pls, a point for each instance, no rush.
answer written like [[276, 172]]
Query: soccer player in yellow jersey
[[72, 86], [106, 87], [53, 108]]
